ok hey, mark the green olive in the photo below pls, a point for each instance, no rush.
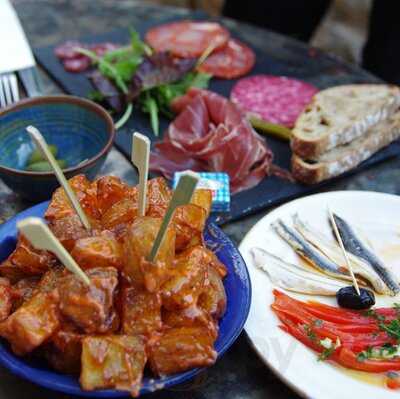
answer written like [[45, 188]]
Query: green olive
[[44, 166], [37, 156]]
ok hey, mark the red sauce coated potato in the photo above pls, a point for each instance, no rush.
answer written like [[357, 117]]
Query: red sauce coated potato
[[163, 313]]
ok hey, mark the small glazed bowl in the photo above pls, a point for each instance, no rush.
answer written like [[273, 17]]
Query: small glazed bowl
[[82, 131]]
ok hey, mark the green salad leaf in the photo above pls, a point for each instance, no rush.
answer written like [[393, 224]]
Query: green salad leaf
[[158, 99], [149, 105], [133, 74], [165, 94]]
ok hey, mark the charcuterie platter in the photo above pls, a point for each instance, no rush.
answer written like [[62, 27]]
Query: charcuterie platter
[[313, 68]]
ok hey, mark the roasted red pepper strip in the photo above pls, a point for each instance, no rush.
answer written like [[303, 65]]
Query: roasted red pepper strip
[[337, 315], [326, 312], [299, 333], [348, 358], [356, 342], [312, 322], [300, 314]]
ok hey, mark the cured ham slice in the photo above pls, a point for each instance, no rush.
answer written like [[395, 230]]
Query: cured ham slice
[[211, 133]]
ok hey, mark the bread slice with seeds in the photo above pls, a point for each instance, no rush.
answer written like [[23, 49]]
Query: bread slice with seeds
[[339, 115], [346, 157]]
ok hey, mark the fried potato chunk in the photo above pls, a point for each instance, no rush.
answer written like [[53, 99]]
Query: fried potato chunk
[[26, 261], [180, 349], [11, 271], [218, 266], [213, 298], [49, 280], [158, 197], [141, 311], [91, 308], [68, 230], [113, 361], [119, 215], [190, 272], [110, 190], [23, 290], [99, 251], [192, 316], [60, 207], [63, 350], [139, 240], [203, 198], [189, 222], [6, 298], [32, 324]]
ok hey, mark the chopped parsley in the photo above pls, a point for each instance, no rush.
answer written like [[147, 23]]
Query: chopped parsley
[[362, 357], [318, 323], [371, 313], [310, 333], [326, 353], [386, 351], [329, 347], [392, 328]]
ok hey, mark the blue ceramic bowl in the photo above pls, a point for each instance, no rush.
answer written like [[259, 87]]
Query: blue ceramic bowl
[[82, 130], [238, 290]]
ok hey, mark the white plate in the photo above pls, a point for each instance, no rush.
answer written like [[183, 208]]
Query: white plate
[[377, 214]]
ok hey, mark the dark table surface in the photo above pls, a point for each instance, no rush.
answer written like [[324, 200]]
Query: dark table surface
[[240, 373]]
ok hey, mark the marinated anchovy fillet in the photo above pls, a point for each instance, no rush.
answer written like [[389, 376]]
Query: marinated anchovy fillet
[[356, 246], [308, 252], [293, 277], [334, 253]]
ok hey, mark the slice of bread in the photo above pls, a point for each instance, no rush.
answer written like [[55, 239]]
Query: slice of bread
[[348, 156], [340, 114]]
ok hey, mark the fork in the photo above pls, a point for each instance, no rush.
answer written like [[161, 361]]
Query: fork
[[9, 93]]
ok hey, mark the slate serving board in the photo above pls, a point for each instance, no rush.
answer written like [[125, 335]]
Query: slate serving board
[[279, 56]]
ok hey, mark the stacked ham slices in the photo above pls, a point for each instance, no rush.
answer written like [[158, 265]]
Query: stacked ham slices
[[211, 133]]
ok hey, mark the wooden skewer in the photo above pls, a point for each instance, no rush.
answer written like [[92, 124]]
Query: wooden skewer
[[41, 237], [182, 195], [41, 144], [348, 263], [140, 158]]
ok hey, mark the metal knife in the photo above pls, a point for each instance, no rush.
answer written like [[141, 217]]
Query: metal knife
[[16, 52]]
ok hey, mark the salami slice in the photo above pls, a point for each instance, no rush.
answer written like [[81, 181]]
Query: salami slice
[[74, 61], [230, 62], [77, 65], [66, 51], [187, 38], [276, 99]]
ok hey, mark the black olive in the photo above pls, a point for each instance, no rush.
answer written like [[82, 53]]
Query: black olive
[[348, 298]]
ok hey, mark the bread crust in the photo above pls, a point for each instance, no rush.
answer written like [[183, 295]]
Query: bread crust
[[308, 148], [313, 147], [345, 158], [307, 173]]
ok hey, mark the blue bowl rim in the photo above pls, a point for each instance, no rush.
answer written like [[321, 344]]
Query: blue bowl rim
[[37, 210], [51, 99]]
